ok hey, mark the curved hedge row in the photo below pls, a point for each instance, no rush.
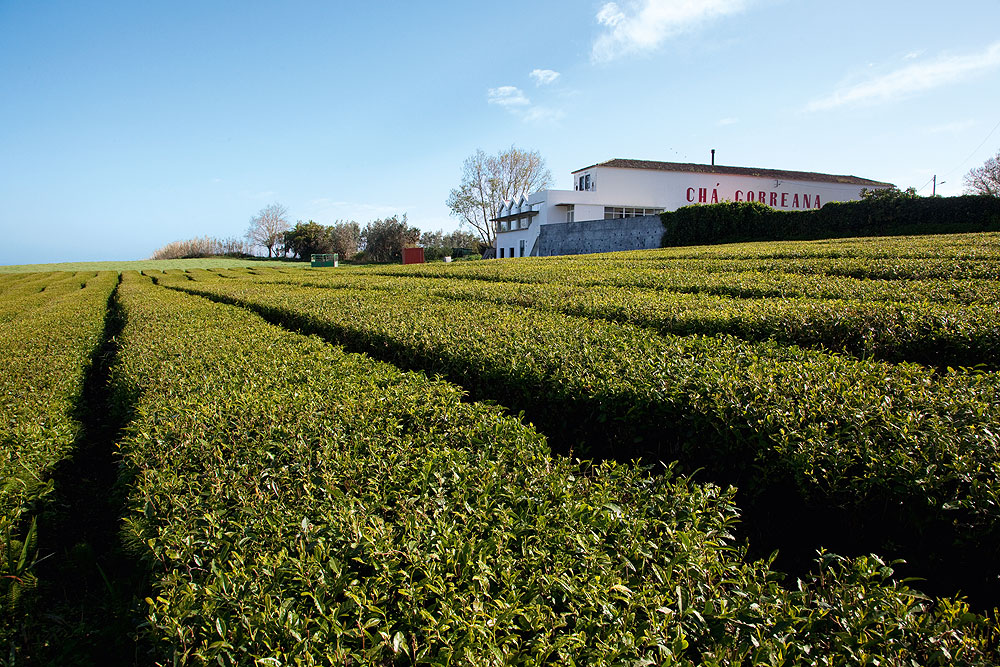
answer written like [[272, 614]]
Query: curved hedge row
[[300, 503], [940, 246], [937, 334], [50, 326], [962, 268], [913, 456]]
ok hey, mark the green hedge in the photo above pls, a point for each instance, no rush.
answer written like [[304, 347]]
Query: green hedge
[[752, 221], [900, 448], [305, 506], [921, 331], [50, 326]]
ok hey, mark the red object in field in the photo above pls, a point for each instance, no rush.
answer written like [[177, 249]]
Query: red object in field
[[413, 255]]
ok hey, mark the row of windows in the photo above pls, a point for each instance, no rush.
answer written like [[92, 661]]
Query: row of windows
[[612, 212], [501, 251], [512, 225]]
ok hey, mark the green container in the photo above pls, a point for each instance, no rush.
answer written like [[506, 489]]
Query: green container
[[325, 259]]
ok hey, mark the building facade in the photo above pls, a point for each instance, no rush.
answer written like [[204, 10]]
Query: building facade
[[631, 188]]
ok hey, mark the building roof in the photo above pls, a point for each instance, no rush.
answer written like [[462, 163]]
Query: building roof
[[620, 163]]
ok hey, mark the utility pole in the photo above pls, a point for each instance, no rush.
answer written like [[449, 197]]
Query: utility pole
[[934, 187]]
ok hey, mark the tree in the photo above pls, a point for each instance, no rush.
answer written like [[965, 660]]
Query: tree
[[438, 245], [489, 181], [308, 238], [268, 227], [984, 180], [891, 193], [384, 240], [346, 238]]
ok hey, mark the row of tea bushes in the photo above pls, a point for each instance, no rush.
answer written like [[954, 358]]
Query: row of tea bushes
[[929, 333], [50, 326], [913, 455], [304, 505], [696, 278], [940, 246], [28, 291], [880, 268]]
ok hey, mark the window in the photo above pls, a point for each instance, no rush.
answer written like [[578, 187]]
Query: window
[[613, 212], [522, 248], [512, 252], [570, 212], [501, 253]]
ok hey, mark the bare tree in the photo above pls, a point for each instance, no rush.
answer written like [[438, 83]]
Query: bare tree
[[489, 181], [202, 247], [985, 180], [267, 228]]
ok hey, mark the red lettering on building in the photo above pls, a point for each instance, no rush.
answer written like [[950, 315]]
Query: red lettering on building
[[794, 200]]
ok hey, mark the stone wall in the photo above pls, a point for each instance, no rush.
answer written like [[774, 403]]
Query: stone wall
[[578, 238]]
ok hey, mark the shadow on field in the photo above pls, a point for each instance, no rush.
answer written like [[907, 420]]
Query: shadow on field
[[89, 604]]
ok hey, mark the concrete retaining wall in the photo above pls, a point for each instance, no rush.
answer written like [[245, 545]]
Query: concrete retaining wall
[[578, 238]]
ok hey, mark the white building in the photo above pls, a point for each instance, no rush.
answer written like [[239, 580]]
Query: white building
[[627, 188]]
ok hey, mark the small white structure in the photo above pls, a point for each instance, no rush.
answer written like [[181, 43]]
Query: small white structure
[[628, 188]]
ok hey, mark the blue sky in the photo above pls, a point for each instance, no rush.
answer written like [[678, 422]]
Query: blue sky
[[127, 125]]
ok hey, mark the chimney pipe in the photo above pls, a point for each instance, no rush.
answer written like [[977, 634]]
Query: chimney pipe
[[713, 157]]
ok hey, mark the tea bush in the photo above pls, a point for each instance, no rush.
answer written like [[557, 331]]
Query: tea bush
[[938, 334], [50, 326], [301, 504], [908, 455]]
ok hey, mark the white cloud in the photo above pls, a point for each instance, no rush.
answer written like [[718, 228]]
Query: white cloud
[[516, 102], [642, 25], [610, 15], [543, 76], [911, 79], [507, 96], [728, 121]]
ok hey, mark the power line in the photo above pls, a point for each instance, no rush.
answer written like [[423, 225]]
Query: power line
[[962, 164]]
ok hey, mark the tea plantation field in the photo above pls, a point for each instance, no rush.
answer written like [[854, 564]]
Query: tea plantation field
[[781, 453]]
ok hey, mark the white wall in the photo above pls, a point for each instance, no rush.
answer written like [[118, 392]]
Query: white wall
[[615, 186], [671, 190]]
